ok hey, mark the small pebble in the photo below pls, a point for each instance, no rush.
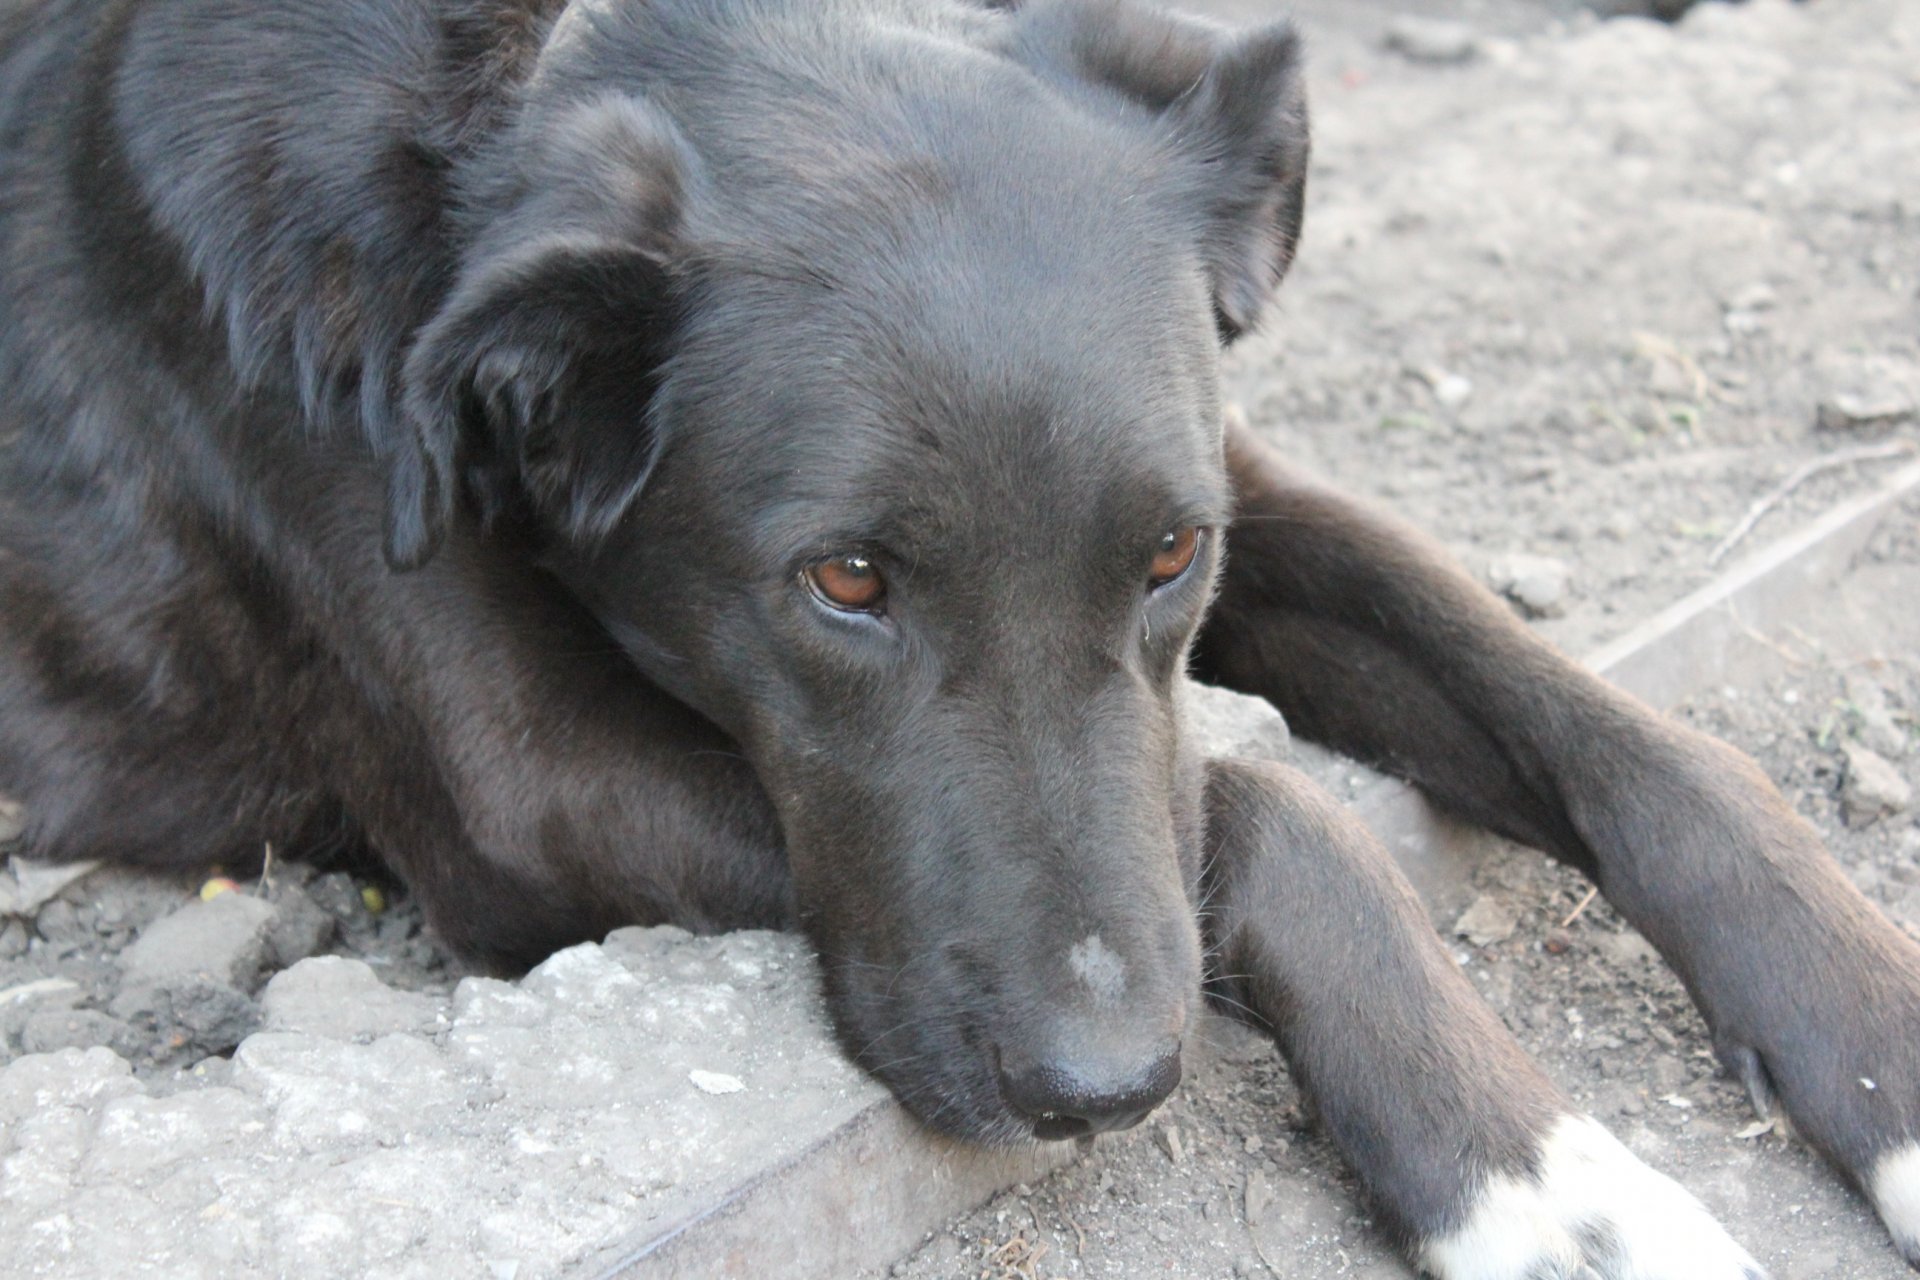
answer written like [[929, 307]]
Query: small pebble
[[1873, 788], [716, 1082], [1487, 921], [1259, 1197], [1433, 41]]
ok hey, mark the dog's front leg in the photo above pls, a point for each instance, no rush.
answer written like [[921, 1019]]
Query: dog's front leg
[[1368, 639], [1478, 1163]]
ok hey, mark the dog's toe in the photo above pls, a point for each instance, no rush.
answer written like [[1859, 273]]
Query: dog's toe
[[1591, 1209]]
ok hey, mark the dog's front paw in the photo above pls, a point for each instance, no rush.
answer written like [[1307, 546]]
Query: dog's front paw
[[1589, 1210], [1895, 1188]]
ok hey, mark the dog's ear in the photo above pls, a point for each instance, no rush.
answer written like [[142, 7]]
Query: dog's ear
[[537, 377], [1233, 102]]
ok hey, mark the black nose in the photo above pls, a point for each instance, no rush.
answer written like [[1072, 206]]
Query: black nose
[[1071, 1099]]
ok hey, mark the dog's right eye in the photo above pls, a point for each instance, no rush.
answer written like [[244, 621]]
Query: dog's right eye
[[851, 584], [1174, 556]]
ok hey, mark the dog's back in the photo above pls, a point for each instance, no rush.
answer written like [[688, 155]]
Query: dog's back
[[172, 178]]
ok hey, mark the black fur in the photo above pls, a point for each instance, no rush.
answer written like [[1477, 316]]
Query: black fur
[[421, 418]]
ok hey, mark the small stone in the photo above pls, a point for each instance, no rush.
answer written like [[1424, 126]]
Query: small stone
[[13, 820], [1538, 584], [1450, 390], [1627, 950], [1873, 788], [1487, 921], [223, 940], [337, 894], [40, 989], [191, 1017], [13, 940], [717, 1083], [1433, 41], [1758, 296], [1171, 1143], [1667, 1075], [1872, 721], [942, 1254], [300, 927], [28, 886], [341, 999], [1862, 412], [1259, 1197], [1453, 390], [60, 924], [51, 1030], [1673, 378]]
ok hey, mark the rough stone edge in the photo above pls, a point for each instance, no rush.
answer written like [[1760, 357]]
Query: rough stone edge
[[860, 1197]]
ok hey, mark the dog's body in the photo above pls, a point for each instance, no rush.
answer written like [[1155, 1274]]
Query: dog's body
[[745, 462]]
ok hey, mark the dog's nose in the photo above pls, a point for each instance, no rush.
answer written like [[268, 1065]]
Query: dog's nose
[[1071, 1099]]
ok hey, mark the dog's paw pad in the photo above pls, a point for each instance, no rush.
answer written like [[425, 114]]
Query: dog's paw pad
[[1591, 1210], [1895, 1188]]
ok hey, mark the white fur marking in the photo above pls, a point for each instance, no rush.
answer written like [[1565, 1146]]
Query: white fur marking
[[1895, 1188], [1593, 1203], [1104, 972]]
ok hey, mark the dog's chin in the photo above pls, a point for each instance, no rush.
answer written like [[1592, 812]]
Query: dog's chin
[[966, 1110], [939, 1068], [949, 1085]]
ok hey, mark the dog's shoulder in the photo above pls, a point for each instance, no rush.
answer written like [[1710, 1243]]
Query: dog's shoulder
[[288, 164]]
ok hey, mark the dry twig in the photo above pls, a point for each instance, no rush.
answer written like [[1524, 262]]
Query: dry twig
[[1584, 904], [1800, 475]]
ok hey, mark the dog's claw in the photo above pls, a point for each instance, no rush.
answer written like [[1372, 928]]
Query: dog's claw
[[1746, 1066]]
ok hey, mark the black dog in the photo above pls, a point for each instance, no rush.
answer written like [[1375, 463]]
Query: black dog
[[746, 462]]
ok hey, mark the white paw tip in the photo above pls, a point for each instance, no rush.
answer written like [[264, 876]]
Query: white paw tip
[[1895, 1188], [1593, 1210]]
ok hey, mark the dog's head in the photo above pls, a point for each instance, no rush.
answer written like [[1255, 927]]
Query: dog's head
[[862, 363]]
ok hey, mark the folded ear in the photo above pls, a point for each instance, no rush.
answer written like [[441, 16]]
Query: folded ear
[[536, 378], [1233, 102]]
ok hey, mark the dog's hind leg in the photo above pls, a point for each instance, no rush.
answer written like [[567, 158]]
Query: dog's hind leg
[[1480, 1167], [1369, 640]]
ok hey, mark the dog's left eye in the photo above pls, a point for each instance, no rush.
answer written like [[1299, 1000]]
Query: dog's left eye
[[850, 583], [1175, 555]]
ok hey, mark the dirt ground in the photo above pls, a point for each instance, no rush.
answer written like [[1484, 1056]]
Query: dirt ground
[[1572, 292], [1579, 298]]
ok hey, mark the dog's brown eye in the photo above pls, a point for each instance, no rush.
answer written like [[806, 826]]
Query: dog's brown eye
[[851, 584], [1175, 555]]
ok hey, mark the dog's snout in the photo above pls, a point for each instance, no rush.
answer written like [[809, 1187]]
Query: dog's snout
[[1074, 1097]]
